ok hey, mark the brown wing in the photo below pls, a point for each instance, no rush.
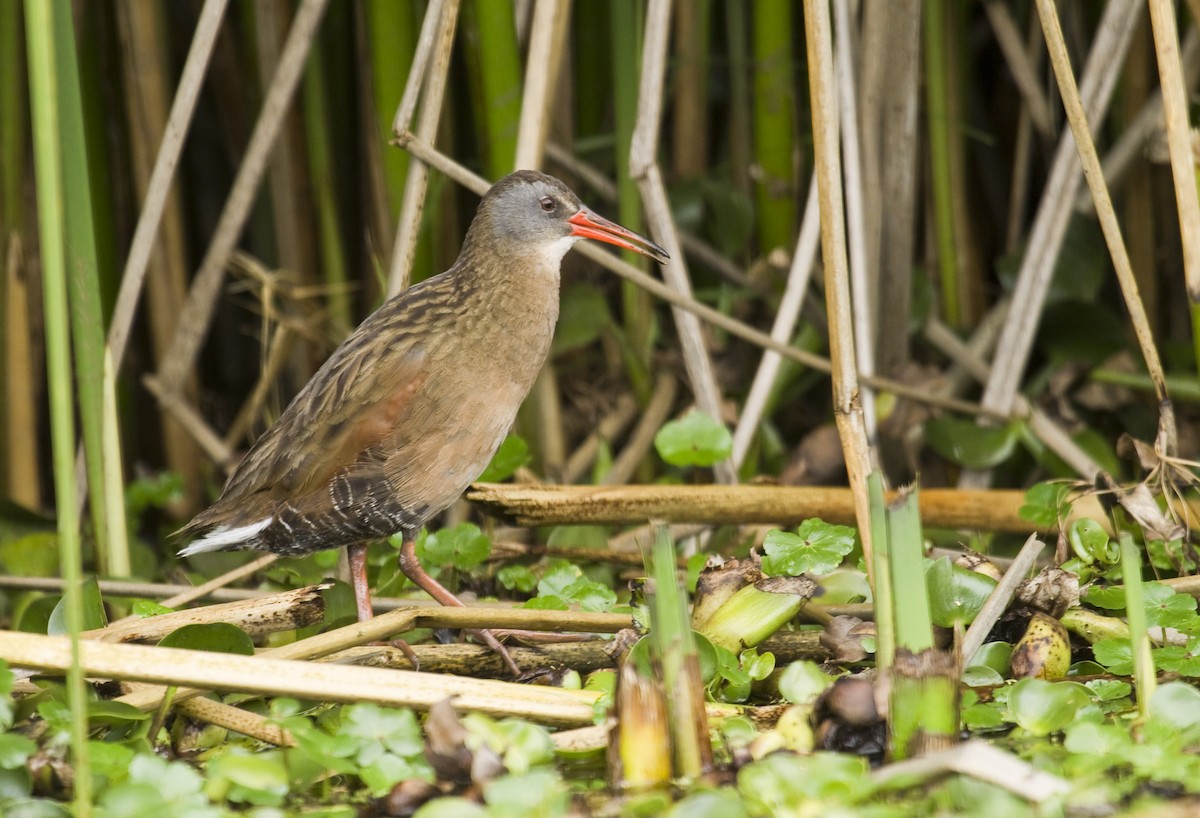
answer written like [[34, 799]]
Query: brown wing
[[351, 404]]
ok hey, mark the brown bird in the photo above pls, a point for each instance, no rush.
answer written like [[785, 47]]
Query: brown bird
[[411, 407]]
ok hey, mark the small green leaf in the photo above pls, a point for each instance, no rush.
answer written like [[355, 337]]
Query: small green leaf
[[143, 608], [1044, 707], [1109, 597], [517, 578], [464, 546], [93, 610], [590, 595], [694, 440], [802, 681], [557, 577], [955, 593], [995, 655], [1091, 542], [452, 807], [217, 637], [548, 602], [15, 749], [1046, 504], [512, 455], [981, 676], [1114, 654], [817, 547], [1166, 608], [1177, 704], [968, 444]]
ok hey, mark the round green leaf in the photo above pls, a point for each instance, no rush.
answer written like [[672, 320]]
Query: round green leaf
[[694, 440], [968, 444], [218, 637], [955, 593], [1044, 707]]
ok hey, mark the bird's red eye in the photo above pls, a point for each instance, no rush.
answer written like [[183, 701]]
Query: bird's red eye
[[548, 204]]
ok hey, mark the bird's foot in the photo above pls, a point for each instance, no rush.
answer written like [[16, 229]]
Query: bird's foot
[[489, 639]]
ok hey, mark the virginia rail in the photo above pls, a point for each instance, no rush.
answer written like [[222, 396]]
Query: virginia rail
[[414, 403]]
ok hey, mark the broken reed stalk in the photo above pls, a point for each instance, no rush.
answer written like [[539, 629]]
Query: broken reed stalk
[[674, 651], [923, 711], [525, 505], [305, 680]]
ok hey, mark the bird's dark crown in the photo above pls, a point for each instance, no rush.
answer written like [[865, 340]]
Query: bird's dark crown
[[526, 207]]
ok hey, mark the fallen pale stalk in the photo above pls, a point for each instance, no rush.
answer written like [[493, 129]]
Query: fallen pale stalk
[[306, 680], [406, 619]]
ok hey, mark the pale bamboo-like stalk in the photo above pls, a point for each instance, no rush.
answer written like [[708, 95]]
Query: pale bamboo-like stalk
[[804, 259], [547, 41], [147, 78], [643, 166], [891, 55], [848, 412], [1179, 138], [862, 278], [1050, 225], [997, 601], [686, 302], [308, 680], [159, 186], [1057, 48], [417, 182], [1129, 149], [196, 318]]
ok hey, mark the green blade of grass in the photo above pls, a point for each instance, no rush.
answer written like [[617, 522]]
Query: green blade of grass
[[43, 44], [1135, 612]]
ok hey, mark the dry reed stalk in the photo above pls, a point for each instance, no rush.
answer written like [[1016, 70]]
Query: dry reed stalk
[[804, 260], [153, 146], [308, 680], [643, 166], [1092, 172], [1054, 210], [986, 510], [442, 18], [1179, 138], [196, 318], [159, 185], [273, 613], [862, 278], [848, 412]]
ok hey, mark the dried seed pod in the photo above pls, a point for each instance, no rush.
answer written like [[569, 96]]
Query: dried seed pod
[[1044, 652]]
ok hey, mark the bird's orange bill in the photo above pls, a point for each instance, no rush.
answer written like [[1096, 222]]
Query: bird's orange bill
[[587, 224]]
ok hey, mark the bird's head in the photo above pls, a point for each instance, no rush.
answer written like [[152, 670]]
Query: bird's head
[[538, 213]]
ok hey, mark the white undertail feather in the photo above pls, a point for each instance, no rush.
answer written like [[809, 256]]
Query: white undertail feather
[[223, 537]]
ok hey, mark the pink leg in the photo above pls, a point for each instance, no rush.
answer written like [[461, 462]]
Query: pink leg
[[413, 570], [358, 576]]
